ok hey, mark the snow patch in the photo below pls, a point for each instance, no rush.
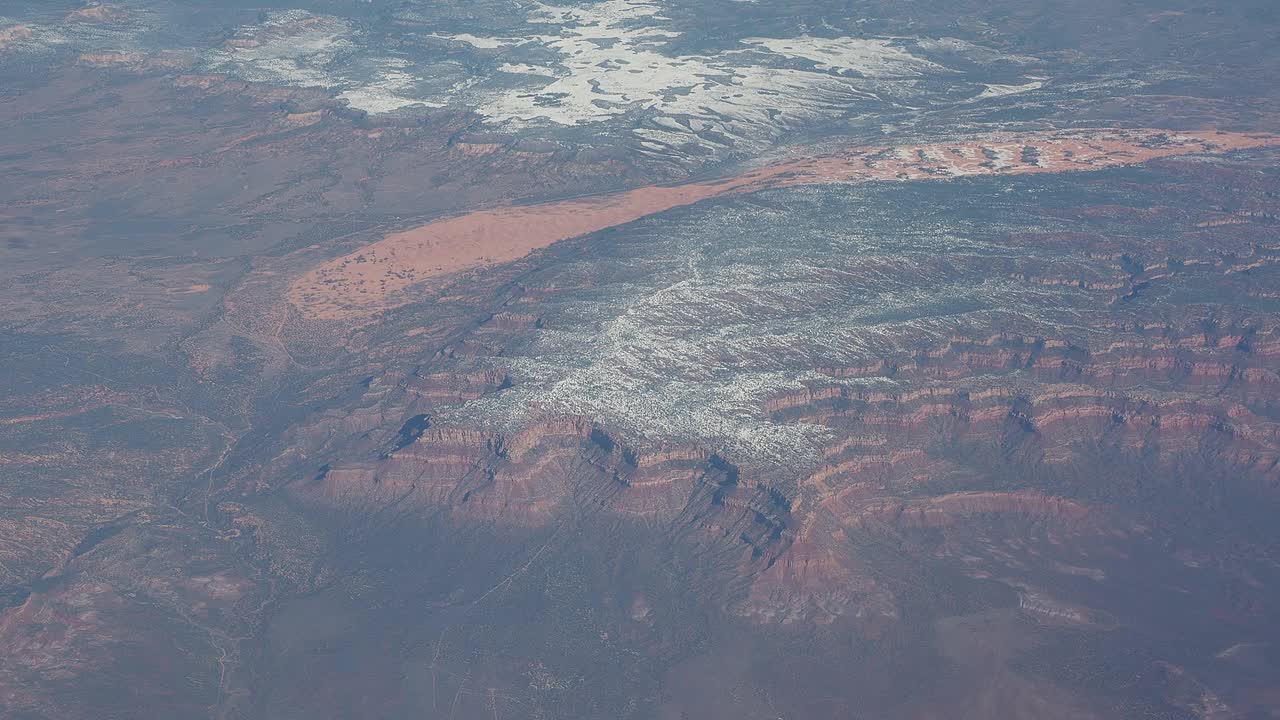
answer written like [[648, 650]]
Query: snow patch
[[870, 58], [993, 91]]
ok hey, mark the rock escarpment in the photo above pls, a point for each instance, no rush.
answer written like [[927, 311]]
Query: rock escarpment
[[1131, 373]]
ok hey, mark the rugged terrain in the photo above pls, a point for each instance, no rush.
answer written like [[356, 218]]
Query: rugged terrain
[[639, 359]]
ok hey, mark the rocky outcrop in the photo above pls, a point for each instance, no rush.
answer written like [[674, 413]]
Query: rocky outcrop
[[1007, 417], [926, 440], [817, 581], [890, 454]]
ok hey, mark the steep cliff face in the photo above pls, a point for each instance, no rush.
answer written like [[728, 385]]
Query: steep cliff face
[[961, 445], [558, 466], [881, 365], [1129, 373]]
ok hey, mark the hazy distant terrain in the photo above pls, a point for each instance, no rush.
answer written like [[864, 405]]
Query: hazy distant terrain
[[639, 359]]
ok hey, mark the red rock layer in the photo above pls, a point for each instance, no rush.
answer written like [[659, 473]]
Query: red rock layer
[[917, 456]]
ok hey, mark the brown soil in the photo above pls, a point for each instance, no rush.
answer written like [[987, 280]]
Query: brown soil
[[13, 35], [95, 14], [375, 277]]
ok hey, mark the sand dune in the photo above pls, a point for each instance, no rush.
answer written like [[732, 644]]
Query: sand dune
[[375, 277]]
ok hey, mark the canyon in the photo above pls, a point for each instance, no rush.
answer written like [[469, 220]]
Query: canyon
[[639, 359]]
